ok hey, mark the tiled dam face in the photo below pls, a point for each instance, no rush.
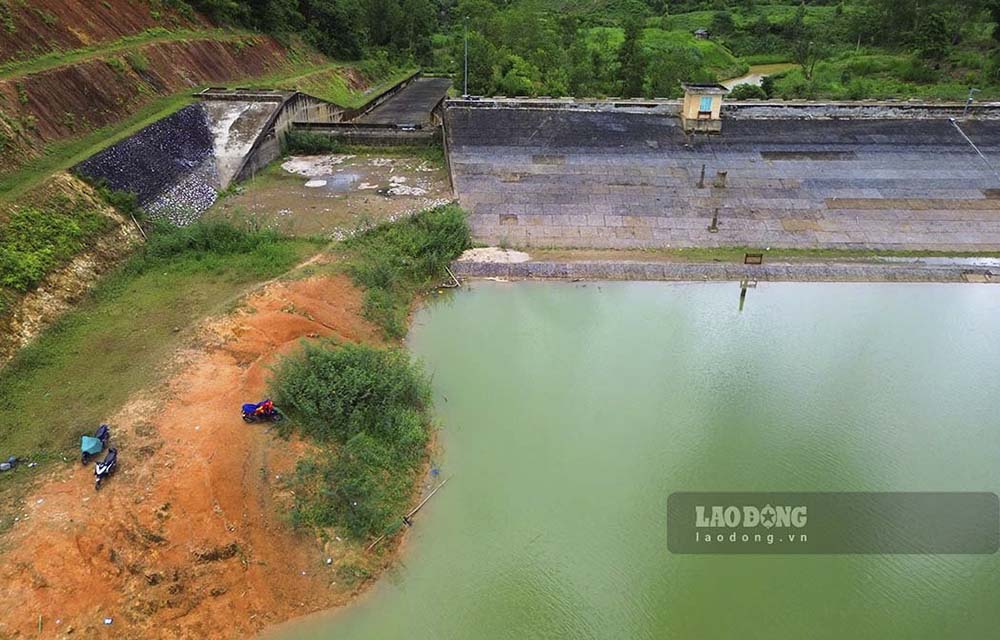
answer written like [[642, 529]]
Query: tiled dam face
[[565, 178]]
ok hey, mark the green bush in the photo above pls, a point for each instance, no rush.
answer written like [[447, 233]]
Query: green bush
[[748, 92], [372, 406], [35, 240], [310, 143], [337, 393], [394, 261]]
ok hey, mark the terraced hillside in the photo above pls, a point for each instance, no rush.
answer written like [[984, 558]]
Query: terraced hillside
[[77, 76]]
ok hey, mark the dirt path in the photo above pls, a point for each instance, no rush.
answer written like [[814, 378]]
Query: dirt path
[[185, 541]]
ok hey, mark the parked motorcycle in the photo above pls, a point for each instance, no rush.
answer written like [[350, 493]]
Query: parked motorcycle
[[91, 446], [263, 411], [104, 468]]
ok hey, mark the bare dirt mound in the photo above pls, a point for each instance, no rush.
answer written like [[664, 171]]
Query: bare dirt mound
[[185, 541]]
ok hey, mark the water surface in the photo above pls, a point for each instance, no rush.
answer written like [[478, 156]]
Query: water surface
[[570, 411]]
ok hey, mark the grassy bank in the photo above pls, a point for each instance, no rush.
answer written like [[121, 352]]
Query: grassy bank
[[84, 367], [368, 408], [393, 263]]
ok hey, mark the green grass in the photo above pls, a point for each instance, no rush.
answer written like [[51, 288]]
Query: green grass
[[715, 57], [63, 155], [55, 59], [83, 368], [873, 74], [369, 410], [397, 261], [35, 239], [325, 85]]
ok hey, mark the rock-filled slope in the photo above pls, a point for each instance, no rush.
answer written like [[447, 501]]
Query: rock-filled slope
[[177, 166]]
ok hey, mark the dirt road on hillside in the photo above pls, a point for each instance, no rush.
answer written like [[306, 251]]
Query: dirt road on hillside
[[185, 541]]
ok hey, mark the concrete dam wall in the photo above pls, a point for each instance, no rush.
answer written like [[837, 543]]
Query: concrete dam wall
[[566, 175]]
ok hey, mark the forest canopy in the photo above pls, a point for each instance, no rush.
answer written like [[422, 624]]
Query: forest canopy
[[846, 48]]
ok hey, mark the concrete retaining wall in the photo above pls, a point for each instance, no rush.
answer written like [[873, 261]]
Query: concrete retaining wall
[[377, 135], [749, 109], [680, 271]]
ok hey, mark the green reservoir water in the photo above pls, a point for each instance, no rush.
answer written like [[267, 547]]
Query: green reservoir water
[[569, 412]]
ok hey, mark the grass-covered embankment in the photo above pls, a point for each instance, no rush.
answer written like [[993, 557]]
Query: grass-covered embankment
[[85, 366], [368, 407], [395, 262], [38, 236]]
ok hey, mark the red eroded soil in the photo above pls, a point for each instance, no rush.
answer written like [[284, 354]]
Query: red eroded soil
[[29, 29], [73, 100], [186, 540]]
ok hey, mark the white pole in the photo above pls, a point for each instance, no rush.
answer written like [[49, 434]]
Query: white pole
[[465, 86]]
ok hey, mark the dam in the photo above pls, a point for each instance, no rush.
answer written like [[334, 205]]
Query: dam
[[564, 174]]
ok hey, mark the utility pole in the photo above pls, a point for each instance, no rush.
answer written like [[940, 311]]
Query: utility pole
[[465, 86], [968, 101]]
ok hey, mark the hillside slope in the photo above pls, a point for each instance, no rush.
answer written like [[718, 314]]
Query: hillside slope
[[42, 108], [79, 75], [39, 27]]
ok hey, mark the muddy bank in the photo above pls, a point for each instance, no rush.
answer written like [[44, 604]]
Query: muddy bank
[[187, 541]]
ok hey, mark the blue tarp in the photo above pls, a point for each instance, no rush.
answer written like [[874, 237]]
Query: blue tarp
[[91, 445]]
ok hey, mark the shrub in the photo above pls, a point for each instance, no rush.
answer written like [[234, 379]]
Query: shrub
[[748, 92], [337, 393], [310, 143], [372, 404]]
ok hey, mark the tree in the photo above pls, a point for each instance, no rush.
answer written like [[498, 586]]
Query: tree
[[631, 61], [483, 58], [673, 66], [807, 52], [722, 23], [519, 77], [932, 37], [336, 27]]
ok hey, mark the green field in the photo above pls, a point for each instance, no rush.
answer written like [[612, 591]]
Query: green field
[[116, 342]]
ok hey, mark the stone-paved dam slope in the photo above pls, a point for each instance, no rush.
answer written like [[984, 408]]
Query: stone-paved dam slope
[[177, 166], [611, 179]]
